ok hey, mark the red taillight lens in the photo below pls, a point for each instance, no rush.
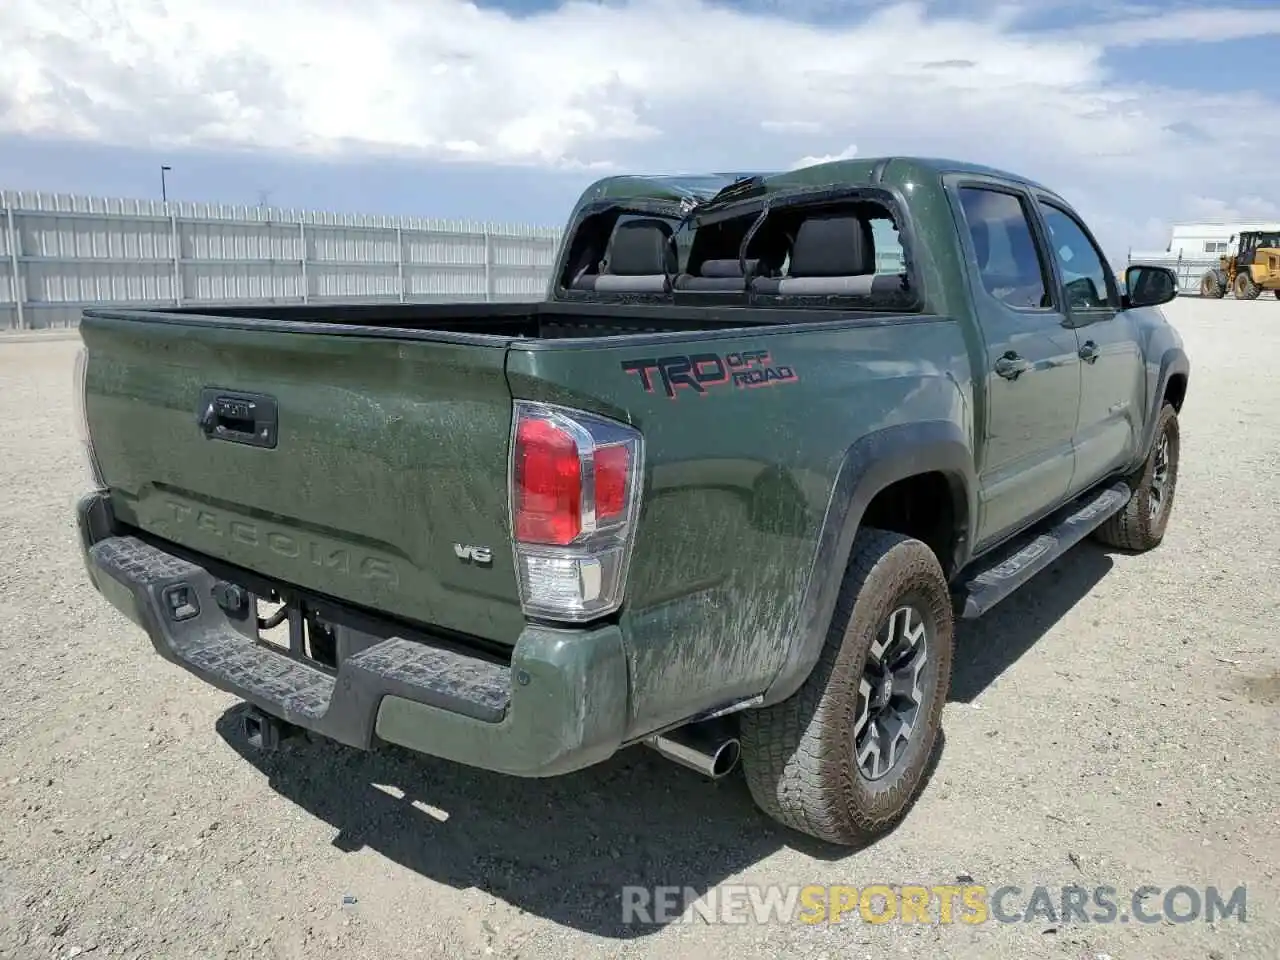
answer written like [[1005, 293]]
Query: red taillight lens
[[548, 484], [575, 490], [612, 464]]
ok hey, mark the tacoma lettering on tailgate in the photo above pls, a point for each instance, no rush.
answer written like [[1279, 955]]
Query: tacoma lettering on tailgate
[[291, 546]]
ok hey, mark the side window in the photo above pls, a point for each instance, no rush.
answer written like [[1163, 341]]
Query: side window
[[888, 246], [884, 235], [1005, 247], [1085, 280]]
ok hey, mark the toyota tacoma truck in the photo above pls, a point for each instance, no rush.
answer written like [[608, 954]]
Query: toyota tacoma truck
[[723, 492]]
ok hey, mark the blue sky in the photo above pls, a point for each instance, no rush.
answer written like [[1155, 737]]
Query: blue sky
[[1140, 113]]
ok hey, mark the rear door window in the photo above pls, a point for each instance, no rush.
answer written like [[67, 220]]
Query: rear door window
[[1005, 248]]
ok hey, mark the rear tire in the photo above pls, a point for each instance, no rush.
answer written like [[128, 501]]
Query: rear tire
[[1141, 524], [1245, 288], [832, 760], [1213, 285]]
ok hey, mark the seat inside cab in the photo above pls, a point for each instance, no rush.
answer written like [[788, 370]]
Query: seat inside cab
[[831, 254], [640, 258]]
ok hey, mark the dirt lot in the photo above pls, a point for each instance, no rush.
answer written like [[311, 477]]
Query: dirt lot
[[1113, 725]]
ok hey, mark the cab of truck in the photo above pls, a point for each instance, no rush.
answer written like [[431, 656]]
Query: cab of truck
[[754, 239]]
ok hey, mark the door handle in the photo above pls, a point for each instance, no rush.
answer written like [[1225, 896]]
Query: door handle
[[1089, 351], [1011, 366], [249, 418]]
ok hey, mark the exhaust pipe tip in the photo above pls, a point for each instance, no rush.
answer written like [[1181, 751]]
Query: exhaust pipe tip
[[702, 749], [725, 759]]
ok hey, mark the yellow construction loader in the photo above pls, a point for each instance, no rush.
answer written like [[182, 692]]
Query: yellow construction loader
[[1253, 268]]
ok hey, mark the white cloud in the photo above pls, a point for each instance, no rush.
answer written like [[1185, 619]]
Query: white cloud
[[1239, 208], [646, 84], [848, 153], [1205, 25], [790, 126]]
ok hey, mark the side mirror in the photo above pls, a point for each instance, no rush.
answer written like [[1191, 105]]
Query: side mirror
[[1149, 286]]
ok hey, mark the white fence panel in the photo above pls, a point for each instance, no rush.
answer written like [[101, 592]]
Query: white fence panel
[[1188, 269], [60, 253]]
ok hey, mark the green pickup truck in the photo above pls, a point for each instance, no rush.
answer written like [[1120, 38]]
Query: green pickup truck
[[723, 492]]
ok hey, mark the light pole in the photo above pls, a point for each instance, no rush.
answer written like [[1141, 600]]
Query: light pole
[[164, 191]]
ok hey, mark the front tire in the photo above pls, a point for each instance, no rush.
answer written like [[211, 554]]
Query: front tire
[[844, 757], [1141, 524], [1245, 288], [1213, 285]]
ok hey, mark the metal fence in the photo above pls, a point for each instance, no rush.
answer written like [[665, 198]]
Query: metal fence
[[1188, 269], [60, 253]]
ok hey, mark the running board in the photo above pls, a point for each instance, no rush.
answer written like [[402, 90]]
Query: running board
[[1012, 566]]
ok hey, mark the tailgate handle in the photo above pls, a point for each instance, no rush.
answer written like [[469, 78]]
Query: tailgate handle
[[248, 418]]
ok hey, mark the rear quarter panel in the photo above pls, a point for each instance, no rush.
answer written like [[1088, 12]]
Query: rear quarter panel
[[738, 480]]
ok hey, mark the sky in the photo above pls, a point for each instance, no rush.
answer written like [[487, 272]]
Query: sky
[[1139, 114]]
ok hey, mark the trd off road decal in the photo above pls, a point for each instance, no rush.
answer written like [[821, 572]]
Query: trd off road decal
[[699, 371]]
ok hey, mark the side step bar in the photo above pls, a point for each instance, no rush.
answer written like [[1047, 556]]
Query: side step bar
[[1009, 568]]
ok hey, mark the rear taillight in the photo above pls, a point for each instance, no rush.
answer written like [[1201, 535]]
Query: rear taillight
[[79, 388], [575, 491], [548, 483]]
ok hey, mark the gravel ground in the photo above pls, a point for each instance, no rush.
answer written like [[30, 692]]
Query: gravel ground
[[1114, 724]]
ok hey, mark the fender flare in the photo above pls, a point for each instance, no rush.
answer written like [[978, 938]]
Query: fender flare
[[871, 464], [1173, 362]]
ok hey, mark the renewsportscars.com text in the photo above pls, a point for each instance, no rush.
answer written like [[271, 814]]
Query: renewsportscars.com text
[[937, 904]]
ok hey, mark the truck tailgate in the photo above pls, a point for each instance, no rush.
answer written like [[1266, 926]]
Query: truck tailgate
[[386, 482]]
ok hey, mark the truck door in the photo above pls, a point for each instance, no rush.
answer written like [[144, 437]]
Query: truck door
[[1112, 374], [1032, 375]]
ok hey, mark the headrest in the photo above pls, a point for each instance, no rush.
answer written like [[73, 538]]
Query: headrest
[[725, 269], [640, 248], [834, 245]]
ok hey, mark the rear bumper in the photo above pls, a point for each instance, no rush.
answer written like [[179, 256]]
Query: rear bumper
[[559, 706]]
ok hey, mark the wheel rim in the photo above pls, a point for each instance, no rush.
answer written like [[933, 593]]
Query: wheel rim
[[890, 699], [1159, 493]]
